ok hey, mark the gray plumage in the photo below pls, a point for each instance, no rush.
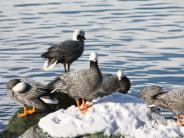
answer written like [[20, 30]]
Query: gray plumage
[[81, 83], [148, 92], [111, 83], [156, 116], [30, 93], [66, 52], [172, 100]]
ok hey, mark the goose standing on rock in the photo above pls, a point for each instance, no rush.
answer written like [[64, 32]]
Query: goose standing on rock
[[116, 83], [30, 93], [172, 100], [66, 52], [80, 84]]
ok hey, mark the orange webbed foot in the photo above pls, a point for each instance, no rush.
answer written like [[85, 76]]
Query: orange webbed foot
[[178, 121], [26, 112], [85, 106], [33, 110], [22, 114]]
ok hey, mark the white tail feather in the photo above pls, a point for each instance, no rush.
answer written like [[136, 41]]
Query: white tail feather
[[53, 91], [47, 67], [152, 105], [49, 101]]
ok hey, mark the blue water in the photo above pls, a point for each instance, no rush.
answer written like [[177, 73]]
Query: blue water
[[143, 38]]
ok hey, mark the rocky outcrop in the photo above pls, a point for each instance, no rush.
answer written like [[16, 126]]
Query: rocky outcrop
[[17, 126]]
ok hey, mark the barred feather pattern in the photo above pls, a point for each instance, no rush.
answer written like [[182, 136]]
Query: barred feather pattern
[[31, 96], [78, 83], [110, 83], [149, 91], [173, 100]]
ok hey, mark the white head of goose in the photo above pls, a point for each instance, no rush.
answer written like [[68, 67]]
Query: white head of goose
[[79, 35]]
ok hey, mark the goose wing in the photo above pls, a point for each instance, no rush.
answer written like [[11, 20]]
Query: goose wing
[[74, 82], [36, 89], [66, 48]]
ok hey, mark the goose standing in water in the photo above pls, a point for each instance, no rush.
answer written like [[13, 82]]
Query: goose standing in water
[[30, 93], [66, 52], [80, 84], [172, 100], [116, 83]]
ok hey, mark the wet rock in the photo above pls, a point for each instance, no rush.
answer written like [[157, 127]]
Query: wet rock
[[17, 126]]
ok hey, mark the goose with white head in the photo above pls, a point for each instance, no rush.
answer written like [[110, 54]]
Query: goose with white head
[[66, 52], [124, 82], [80, 84], [30, 93], [114, 83]]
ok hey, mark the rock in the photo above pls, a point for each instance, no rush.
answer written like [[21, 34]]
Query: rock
[[34, 132], [17, 126]]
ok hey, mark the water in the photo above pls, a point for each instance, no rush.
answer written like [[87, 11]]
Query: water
[[144, 38]]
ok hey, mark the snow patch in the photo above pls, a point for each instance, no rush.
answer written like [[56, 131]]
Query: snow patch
[[116, 114]]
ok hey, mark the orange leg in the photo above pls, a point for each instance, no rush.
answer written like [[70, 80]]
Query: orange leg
[[179, 122], [183, 116], [78, 105], [84, 105], [26, 112], [182, 119], [33, 110], [22, 114]]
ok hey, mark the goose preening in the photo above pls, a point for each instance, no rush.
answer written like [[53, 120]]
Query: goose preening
[[116, 83], [80, 84], [66, 52], [30, 93], [172, 100]]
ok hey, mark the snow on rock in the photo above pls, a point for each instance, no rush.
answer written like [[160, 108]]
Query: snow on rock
[[116, 114]]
